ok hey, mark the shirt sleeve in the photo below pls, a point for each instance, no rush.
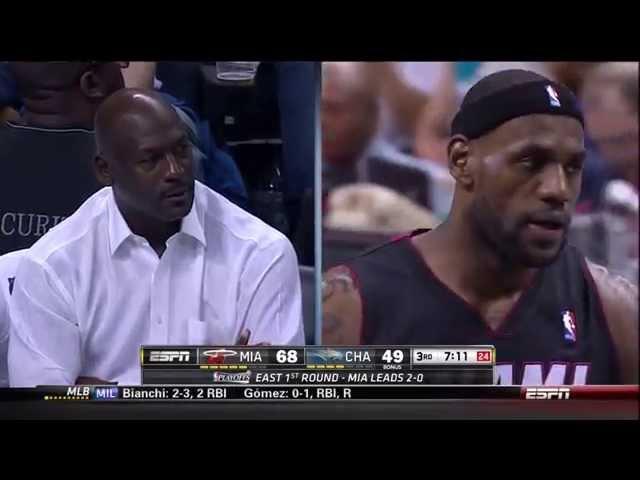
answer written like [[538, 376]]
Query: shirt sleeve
[[45, 338], [270, 298]]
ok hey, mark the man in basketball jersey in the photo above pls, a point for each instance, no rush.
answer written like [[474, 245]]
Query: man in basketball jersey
[[498, 271]]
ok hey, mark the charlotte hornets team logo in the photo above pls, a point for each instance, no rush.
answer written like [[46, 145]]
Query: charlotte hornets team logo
[[569, 323]]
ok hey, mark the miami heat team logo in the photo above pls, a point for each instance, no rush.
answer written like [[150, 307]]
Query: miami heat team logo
[[216, 357], [569, 322], [554, 98]]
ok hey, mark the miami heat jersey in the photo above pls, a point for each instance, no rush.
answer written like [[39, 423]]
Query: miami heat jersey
[[555, 334]]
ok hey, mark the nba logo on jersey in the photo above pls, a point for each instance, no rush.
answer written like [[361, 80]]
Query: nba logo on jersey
[[569, 322], [554, 99]]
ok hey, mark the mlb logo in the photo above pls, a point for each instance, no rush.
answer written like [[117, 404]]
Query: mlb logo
[[569, 323], [554, 98]]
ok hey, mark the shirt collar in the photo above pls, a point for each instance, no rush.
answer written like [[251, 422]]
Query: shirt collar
[[119, 231]]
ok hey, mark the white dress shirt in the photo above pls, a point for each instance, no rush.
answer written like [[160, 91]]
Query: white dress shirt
[[89, 293], [8, 267]]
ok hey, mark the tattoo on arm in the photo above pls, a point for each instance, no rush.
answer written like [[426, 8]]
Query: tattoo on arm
[[341, 315], [331, 323], [336, 283], [620, 303]]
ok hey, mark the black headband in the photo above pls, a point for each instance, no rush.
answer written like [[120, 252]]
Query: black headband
[[474, 119]]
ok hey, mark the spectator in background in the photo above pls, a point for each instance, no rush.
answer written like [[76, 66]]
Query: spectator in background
[[376, 209], [349, 122], [404, 90], [352, 94], [610, 102], [47, 153], [432, 127], [608, 230]]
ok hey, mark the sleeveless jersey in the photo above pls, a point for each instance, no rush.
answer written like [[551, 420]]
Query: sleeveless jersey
[[555, 334]]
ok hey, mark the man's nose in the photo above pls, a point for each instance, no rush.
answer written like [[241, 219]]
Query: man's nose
[[174, 166], [554, 186]]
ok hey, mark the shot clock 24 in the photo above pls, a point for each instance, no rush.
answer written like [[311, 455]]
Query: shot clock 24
[[456, 355]]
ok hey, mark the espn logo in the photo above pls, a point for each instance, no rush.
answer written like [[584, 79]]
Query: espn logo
[[169, 356], [547, 393]]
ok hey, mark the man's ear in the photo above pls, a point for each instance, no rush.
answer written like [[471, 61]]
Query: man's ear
[[458, 152], [102, 170], [92, 86]]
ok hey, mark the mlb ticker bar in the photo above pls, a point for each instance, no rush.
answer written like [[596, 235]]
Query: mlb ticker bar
[[248, 393], [314, 365]]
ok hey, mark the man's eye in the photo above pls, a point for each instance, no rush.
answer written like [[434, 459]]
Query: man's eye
[[150, 162], [528, 163], [574, 167]]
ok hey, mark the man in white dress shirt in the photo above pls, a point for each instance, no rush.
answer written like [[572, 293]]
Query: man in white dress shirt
[[156, 258]]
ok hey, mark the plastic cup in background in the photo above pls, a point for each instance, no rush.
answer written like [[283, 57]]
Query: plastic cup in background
[[236, 71]]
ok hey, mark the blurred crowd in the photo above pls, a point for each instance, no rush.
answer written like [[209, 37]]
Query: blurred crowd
[[385, 130]]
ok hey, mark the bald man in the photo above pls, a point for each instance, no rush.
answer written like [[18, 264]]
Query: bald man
[[349, 121], [155, 258]]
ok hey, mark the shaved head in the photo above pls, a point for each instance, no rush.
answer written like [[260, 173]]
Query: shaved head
[[145, 155], [350, 112], [121, 117]]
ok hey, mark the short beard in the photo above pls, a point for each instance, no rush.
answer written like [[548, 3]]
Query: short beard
[[504, 240]]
